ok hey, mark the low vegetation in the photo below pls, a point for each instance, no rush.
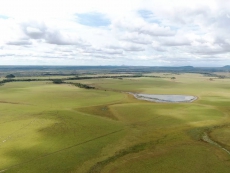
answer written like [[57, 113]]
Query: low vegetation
[[49, 125], [82, 86], [57, 81]]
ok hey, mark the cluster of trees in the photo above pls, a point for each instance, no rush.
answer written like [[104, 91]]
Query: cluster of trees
[[115, 77], [59, 81], [214, 75], [55, 81], [83, 86], [20, 80], [9, 76]]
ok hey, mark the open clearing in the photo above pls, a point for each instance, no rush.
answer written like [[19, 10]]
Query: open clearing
[[45, 127]]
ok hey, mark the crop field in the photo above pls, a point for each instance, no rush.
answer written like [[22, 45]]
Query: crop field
[[60, 128]]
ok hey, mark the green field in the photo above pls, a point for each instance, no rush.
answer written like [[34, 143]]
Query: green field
[[60, 128]]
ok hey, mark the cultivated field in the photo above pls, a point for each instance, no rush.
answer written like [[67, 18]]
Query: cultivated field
[[60, 128]]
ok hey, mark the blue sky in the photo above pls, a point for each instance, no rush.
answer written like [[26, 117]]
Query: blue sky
[[148, 16], [3, 17], [92, 19], [107, 32]]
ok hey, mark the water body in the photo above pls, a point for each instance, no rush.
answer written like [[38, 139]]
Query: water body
[[164, 98]]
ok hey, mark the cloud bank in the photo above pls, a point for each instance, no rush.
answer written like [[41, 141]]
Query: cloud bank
[[106, 32]]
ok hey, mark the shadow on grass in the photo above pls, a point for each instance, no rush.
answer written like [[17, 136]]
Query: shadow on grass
[[64, 145], [75, 138]]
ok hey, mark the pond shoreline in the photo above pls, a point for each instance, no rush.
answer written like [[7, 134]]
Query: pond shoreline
[[164, 98]]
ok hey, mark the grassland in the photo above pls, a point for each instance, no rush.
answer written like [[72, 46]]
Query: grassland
[[45, 127]]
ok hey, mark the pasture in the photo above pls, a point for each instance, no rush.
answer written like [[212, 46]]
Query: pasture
[[60, 128]]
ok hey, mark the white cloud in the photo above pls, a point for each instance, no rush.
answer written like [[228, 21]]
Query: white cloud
[[135, 37], [131, 32]]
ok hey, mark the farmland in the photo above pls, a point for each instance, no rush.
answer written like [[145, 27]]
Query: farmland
[[47, 127]]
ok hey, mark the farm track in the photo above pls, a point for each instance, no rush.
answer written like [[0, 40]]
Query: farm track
[[16, 131], [14, 103], [10, 135]]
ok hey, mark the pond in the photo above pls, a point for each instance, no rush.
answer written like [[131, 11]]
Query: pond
[[164, 98]]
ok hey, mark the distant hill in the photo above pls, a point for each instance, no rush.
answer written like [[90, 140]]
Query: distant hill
[[188, 66], [74, 70], [227, 66]]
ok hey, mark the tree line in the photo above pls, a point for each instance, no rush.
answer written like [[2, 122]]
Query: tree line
[[11, 78]]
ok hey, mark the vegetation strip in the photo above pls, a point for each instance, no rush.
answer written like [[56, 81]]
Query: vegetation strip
[[72, 78], [134, 149], [63, 149], [207, 139]]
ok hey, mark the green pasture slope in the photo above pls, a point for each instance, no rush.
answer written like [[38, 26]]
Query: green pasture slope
[[51, 128]]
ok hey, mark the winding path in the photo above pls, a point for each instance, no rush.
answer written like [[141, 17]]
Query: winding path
[[206, 138]]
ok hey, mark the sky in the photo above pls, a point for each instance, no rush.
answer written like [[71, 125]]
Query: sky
[[115, 32]]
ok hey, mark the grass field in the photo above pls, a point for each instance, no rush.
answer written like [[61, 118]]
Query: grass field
[[45, 127]]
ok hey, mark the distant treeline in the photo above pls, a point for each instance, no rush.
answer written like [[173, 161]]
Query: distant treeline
[[114, 77], [80, 85], [78, 78], [59, 81], [58, 74], [55, 81], [100, 77], [20, 80], [73, 70], [214, 75]]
